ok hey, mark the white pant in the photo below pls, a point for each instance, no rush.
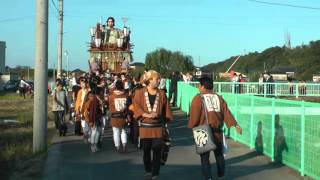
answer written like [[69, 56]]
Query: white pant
[[95, 135], [116, 136], [85, 128]]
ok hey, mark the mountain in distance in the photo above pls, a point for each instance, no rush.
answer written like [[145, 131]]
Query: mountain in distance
[[304, 58]]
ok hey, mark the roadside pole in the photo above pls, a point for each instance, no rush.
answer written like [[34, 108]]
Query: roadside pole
[[60, 37], [40, 108]]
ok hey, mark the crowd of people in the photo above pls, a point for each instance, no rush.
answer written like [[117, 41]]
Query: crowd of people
[[123, 101], [302, 87], [140, 103], [267, 78], [238, 79]]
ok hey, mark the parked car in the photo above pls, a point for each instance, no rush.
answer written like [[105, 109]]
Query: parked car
[[11, 85]]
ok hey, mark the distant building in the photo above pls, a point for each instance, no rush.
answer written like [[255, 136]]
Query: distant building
[[316, 78], [200, 73], [283, 73], [279, 77], [136, 64], [77, 72], [2, 56]]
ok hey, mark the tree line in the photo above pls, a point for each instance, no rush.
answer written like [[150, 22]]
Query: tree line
[[304, 58], [165, 61]]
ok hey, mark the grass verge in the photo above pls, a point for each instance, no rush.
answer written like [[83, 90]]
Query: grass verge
[[17, 160]]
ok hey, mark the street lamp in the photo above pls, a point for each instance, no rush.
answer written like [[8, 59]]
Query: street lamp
[[66, 53]]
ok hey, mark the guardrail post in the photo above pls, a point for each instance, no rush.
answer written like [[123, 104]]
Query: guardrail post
[[273, 129], [168, 88], [236, 116], [297, 90], [233, 87], [247, 87], [275, 89], [219, 88], [302, 138], [251, 123], [264, 89]]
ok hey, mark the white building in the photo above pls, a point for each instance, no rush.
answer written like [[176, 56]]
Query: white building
[[283, 73], [279, 77], [316, 78], [2, 56], [136, 65]]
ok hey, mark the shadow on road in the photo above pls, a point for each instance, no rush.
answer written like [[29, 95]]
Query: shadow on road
[[180, 134], [73, 160]]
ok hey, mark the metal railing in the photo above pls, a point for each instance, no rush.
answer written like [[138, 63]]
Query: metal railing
[[286, 131], [269, 89], [266, 89]]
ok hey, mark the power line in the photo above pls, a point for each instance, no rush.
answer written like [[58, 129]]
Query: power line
[[182, 20], [17, 18], [286, 5], [54, 4], [54, 13]]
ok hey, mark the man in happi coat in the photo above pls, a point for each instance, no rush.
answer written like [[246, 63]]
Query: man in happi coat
[[152, 108], [218, 113], [118, 107], [92, 113]]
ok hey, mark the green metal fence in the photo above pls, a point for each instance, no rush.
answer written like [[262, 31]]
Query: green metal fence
[[286, 131], [268, 89]]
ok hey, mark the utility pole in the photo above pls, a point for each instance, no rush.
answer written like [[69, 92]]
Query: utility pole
[[29, 73], [60, 35], [40, 114], [66, 53], [54, 71]]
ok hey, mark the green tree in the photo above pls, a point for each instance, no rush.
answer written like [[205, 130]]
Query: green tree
[[137, 71], [166, 61]]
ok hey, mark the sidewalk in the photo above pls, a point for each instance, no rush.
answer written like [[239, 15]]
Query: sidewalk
[[70, 158]]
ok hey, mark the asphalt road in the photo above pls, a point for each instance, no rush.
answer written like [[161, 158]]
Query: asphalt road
[[70, 158]]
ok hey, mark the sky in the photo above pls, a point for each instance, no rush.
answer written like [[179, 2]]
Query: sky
[[208, 30]]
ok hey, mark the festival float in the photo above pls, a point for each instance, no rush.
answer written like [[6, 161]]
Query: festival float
[[110, 49]]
